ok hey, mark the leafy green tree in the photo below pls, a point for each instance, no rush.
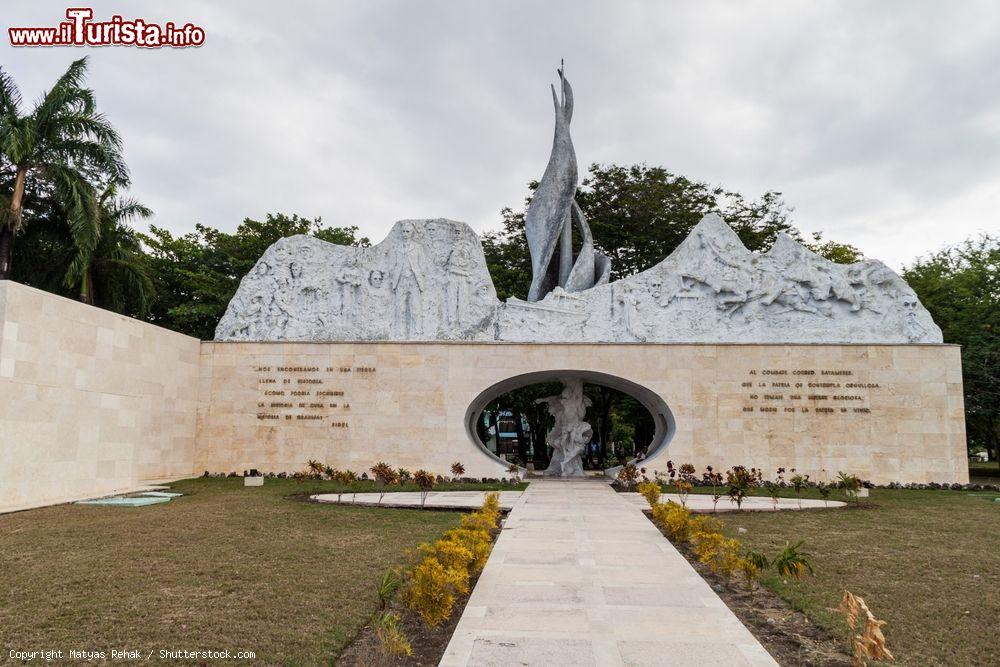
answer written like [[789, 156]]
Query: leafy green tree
[[960, 286], [113, 274], [64, 142], [639, 215], [196, 274]]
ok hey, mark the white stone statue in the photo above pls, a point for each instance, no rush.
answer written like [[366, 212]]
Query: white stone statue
[[569, 435]]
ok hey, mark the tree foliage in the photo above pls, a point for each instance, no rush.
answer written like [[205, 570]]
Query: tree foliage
[[639, 215], [960, 286], [196, 274]]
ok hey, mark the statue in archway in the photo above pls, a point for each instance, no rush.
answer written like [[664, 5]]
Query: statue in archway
[[569, 435]]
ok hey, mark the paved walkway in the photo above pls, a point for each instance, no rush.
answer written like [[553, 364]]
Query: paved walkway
[[579, 576], [450, 499], [473, 499]]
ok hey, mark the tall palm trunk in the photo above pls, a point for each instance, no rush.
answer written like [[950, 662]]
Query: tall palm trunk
[[13, 222], [87, 287]]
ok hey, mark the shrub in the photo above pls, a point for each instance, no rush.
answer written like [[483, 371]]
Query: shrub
[[799, 483], [457, 470], [792, 562], [392, 642], [453, 555], [850, 485], [739, 481], [432, 589], [674, 519], [628, 476], [315, 469], [387, 587], [404, 475], [478, 543], [651, 492], [514, 471], [385, 475], [713, 479], [426, 482]]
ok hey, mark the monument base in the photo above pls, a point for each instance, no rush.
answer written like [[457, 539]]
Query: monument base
[[887, 413]]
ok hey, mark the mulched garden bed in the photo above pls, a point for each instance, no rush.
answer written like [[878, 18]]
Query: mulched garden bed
[[788, 635], [428, 644]]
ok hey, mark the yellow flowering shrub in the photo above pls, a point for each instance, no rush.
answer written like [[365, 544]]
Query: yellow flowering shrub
[[651, 492], [432, 590], [674, 519], [447, 564]]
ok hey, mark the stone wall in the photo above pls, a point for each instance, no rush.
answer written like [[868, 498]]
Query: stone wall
[[884, 412], [91, 402]]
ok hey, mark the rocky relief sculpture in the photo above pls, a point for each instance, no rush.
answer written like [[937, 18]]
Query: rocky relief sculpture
[[428, 280], [569, 435]]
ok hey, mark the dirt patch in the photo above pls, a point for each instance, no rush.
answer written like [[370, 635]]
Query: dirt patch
[[788, 635]]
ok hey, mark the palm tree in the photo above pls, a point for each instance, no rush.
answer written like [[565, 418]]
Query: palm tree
[[64, 142], [113, 272]]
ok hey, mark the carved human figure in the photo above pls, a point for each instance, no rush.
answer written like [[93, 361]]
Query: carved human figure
[[348, 287], [460, 267], [569, 435], [912, 327], [630, 315], [408, 280]]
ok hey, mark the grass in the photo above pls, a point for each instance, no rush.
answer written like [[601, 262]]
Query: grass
[[984, 473], [927, 562], [221, 568]]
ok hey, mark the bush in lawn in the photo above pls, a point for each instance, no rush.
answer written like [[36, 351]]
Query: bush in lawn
[[752, 564], [713, 479], [799, 483], [426, 482], [387, 587], [404, 475], [457, 470], [385, 475], [392, 642], [792, 562], [315, 469], [739, 481], [849, 484], [651, 492]]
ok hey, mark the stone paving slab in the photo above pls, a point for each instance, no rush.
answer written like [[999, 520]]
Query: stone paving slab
[[579, 576], [447, 499]]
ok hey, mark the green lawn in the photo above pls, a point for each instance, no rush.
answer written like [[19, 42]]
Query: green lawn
[[984, 473], [221, 568], [928, 562]]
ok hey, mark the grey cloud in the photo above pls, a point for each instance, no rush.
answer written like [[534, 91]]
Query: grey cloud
[[873, 118]]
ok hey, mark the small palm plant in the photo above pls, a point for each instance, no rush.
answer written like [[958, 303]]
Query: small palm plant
[[793, 562], [713, 479], [824, 491], [457, 470], [752, 565], [850, 485], [387, 587], [514, 471], [739, 481], [425, 481], [385, 476], [799, 483], [404, 475], [343, 478], [315, 468]]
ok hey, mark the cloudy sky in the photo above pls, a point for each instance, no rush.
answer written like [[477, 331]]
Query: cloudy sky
[[879, 121]]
